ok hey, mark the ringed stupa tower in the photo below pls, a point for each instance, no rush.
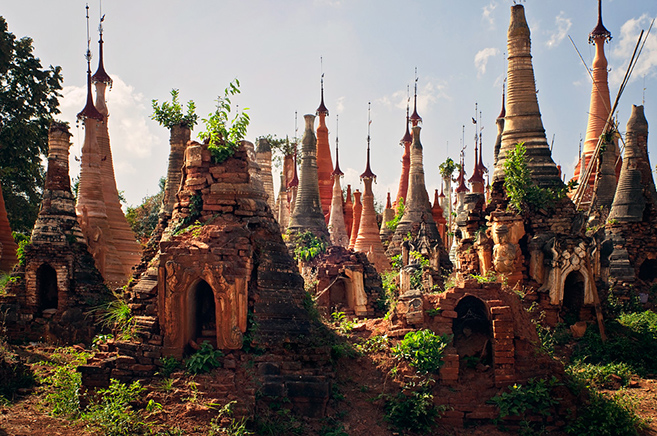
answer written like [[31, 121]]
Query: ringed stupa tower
[[368, 240], [357, 210], [522, 121], [263, 158], [125, 242], [337, 228], [307, 214], [324, 162], [348, 210], [91, 209]]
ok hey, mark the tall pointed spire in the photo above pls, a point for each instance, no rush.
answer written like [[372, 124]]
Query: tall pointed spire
[[100, 75], [500, 126], [405, 142], [415, 118], [599, 108], [368, 240], [523, 122], [337, 228], [89, 110], [324, 162]]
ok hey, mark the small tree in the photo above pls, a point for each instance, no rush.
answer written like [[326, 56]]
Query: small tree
[[170, 115], [222, 133]]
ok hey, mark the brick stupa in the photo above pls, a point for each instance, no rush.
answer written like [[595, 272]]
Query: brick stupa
[[348, 212], [337, 227], [125, 243], [263, 158], [368, 240], [405, 142], [324, 162], [355, 223], [307, 214], [522, 122]]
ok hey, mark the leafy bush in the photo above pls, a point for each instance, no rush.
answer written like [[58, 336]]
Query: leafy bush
[[222, 133], [204, 360], [170, 115], [110, 410], [412, 408], [144, 218], [63, 397], [613, 415], [307, 246], [423, 349], [117, 315], [601, 376], [533, 398], [343, 323], [374, 344], [169, 365], [20, 251], [399, 213]]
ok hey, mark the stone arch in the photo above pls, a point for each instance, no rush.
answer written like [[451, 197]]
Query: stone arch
[[201, 313], [472, 329], [46, 288], [574, 291], [557, 292], [648, 270]]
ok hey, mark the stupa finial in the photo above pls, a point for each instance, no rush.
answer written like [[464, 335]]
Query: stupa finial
[[407, 138], [89, 110], [600, 31], [322, 107], [101, 75], [337, 171], [368, 174], [415, 118]]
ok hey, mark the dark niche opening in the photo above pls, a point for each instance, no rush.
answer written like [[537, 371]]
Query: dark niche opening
[[648, 270], [573, 298], [47, 288], [205, 315], [338, 296], [473, 333]]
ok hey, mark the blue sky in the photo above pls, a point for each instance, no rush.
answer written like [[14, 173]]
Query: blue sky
[[369, 51]]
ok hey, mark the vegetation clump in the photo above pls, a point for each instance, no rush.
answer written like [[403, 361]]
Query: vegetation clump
[[204, 360], [412, 408], [422, 349], [170, 115], [399, 213], [307, 246]]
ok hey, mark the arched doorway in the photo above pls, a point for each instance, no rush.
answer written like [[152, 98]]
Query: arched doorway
[[46, 282], [204, 314], [573, 298], [472, 332], [648, 270]]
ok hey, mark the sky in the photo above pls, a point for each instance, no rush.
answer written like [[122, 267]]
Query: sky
[[369, 50]]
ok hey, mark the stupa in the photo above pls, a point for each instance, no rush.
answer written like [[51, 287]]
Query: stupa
[[263, 158], [336, 227], [355, 223], [324, 163]]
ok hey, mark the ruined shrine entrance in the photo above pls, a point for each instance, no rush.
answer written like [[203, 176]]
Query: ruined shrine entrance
[[473, 332], [338, 299], [648, 270], [46, 280], [203, 319], [573, 298]]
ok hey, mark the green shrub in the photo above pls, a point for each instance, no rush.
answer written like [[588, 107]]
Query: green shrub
[[110, 411], [170, 115], [117, 315], [169, 365], [307, 246], [412, 408], [533, 398], [374, 344], [204, 360], [20, 251], [399, 213], [422, 349], [613, 415], [63, 397], [600, 376]]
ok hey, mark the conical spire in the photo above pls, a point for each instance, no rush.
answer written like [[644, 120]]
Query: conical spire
[[322, 110], [307, 214], [407, 138], [600, 31], [636, 193], [337, 171], [523, 122], [460, 180], [368, 239], [348, 210], [406, 159], [415, 118], [355, 222], [336, 226], [101, 75], [294, 182], [89, 110], [500, 126], [324, 162]]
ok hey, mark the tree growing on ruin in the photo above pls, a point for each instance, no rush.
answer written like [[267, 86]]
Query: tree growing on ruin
[[28, 102], [170, 115]]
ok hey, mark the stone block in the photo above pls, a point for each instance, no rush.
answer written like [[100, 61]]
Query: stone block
[[449, 314]]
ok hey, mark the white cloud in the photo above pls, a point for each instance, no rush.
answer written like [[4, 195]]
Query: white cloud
[[624, 46], [487, 14], [339, 104], [481, 59], [563, 25], [427, 95]]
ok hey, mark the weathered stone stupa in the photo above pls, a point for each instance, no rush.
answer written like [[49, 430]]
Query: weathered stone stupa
[[58, 282], [439, 215], [91, 208], [124, 240], [500, 129], [263, 158], [368, 240], [282, 206], [355, 224], [633, 216], [348, 212], [417, 209], [336, 226], [522, 122], [292, 184], [307, 214], [324, 163], [387, 215], [178, 137]]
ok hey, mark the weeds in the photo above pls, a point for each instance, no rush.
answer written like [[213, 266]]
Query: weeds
[[169, 365], [533, 398], [344, 325], [374, 344], [605, 415], [235, 427], [111, 413], [423, 350], [204, 360], [608, 375], [117, 315], [412, 408], [307, 246]]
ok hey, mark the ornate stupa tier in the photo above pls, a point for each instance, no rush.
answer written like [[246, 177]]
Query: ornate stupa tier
[[417, 207], [308, 214], [523, 122], [263, 158], [635, 194]]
